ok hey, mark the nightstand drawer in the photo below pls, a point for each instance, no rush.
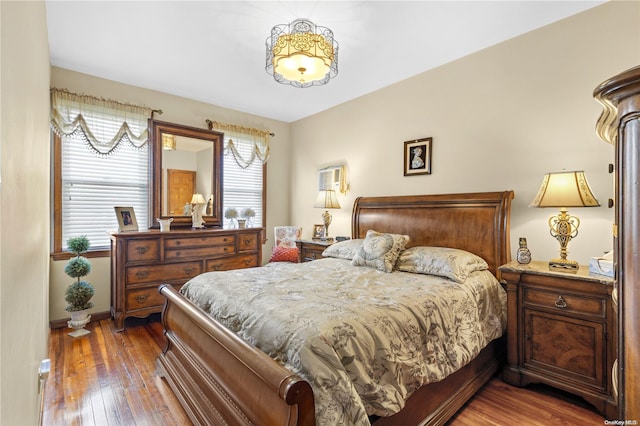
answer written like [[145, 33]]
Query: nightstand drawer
[[566, 302], [309, 254]]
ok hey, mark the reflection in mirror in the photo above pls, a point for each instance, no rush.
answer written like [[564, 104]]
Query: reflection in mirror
[[185, 161], [187, 167]]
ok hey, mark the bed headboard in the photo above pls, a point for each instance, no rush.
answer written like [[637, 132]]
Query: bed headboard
[[476, 222]]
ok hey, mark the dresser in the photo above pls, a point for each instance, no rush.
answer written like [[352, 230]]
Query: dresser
[[619, 125], [561, 331], [141, 261], [311, 250]]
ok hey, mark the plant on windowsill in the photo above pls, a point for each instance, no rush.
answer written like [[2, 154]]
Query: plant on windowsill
[[78, 295]]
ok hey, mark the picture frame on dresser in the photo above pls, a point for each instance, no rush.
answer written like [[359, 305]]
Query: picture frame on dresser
[[417, 157], [318, 231], [126, 219]]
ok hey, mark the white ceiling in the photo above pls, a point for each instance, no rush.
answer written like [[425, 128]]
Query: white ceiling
[[214, 51]]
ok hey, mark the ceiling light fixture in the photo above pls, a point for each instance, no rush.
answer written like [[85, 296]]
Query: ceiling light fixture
[[302, 54]]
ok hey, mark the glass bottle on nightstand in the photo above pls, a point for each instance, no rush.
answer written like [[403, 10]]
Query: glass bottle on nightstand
[[523, 255]]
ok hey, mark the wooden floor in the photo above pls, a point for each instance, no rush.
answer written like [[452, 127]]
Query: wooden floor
[[108, 378]]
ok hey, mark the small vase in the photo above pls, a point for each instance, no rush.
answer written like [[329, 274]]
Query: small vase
[[165, 224], [78, 320], [242, 223]]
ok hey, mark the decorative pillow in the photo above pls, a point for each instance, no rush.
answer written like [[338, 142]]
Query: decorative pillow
[[344, 249], [446, 262], [284, 254], [286, 236], [380, 250]]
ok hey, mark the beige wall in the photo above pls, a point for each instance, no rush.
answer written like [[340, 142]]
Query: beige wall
[[24, 208], [183, 111], [500, 119]]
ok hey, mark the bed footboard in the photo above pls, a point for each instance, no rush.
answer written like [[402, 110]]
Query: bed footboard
[[220, 379]]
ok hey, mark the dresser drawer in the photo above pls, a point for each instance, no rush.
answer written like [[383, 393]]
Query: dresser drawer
[[162, 273], [143, 250], [237, 262], [557, 300], [174, 243], [188, 252], [143, 298], [248, 242]]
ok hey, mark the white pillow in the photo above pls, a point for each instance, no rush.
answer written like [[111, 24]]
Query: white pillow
[[344, 249], [446, 262], [380, 250]]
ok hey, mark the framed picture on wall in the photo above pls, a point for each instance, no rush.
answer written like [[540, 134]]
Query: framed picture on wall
[[318, 231], [417, 157], [126, 219]]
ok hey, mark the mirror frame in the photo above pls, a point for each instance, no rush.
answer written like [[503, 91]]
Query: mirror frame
[[157, 128]]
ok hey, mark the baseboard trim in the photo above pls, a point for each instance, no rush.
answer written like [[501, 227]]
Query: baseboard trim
[[62, 323]]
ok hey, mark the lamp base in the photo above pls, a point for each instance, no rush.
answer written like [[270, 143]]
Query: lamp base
[[564, 265]]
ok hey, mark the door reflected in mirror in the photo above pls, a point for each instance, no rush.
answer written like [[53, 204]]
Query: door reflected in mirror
[[187, 168]]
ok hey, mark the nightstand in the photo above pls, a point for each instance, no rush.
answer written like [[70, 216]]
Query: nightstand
[[311, 250], [561, 331]]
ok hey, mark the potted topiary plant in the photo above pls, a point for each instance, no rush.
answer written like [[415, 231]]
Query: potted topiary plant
[[78, 295]]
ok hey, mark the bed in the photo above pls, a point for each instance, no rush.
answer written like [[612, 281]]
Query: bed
[[219, 378]]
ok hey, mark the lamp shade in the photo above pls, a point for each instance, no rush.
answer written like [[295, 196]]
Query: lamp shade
[[565, 189], [327, 200], [197, 199]]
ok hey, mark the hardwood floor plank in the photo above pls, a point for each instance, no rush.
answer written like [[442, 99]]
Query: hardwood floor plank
[[109, 379]]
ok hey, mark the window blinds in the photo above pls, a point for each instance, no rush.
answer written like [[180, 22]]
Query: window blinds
[[92, 186], [242, 187]]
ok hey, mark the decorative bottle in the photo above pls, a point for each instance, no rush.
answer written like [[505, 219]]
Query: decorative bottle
[[523, 254]]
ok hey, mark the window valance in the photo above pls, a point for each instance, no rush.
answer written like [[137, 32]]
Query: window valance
[[244, 143], [84, 116]]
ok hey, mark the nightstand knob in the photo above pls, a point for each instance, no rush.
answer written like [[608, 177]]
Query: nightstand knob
[[561, 303]]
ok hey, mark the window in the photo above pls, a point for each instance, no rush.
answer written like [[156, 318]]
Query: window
[[243, 188], [91, 186], [246, 151], [100, 161]]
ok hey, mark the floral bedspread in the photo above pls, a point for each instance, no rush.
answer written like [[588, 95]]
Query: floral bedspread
[[365, 340]]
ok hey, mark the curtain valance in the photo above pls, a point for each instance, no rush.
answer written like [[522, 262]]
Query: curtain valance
[[244, 143], [84, 116]]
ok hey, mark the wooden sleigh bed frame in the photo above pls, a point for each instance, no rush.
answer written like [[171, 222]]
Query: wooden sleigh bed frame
[[221, 380]]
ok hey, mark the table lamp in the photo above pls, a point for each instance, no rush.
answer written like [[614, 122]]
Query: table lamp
[[327, 200], [562, 190], [197, 203]]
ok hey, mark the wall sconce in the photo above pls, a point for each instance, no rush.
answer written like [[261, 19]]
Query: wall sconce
[[562, 190], [197, 203], [327, 200]]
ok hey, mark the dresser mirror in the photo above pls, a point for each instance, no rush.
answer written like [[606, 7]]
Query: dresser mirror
[[185, 161]]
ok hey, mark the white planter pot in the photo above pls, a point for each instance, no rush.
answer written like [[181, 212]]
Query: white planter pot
[[78, 320]]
